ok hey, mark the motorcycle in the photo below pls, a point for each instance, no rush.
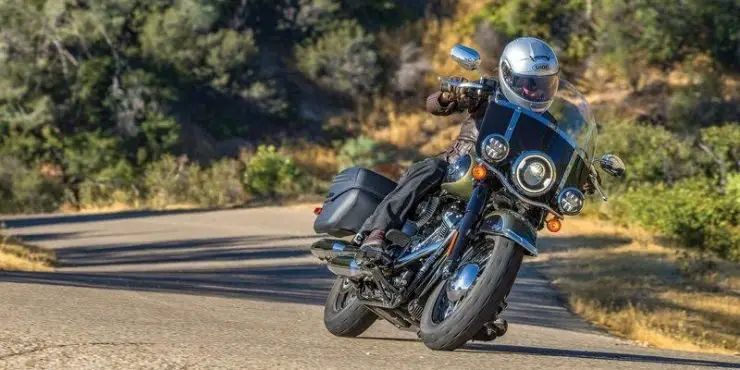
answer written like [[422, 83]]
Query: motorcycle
[[456, 259]]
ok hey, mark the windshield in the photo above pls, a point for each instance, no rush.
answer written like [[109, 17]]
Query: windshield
[[573, 118]]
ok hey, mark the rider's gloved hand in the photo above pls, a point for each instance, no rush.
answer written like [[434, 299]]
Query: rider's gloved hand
[[446, 98]]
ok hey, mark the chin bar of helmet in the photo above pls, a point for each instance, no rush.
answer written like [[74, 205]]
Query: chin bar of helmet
[[510, 188]]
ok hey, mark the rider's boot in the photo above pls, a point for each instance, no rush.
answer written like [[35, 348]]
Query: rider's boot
[[373, 250]]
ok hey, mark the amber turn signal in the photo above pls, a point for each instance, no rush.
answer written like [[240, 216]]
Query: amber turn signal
[[480, 172], [554, 225]]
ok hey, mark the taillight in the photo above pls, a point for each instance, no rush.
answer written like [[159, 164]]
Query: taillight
[[317, 210]]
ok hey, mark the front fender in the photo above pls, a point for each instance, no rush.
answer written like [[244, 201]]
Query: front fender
[[510, 225]]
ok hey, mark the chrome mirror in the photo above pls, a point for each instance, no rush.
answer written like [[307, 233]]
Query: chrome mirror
[[466, 57], [612, 164]]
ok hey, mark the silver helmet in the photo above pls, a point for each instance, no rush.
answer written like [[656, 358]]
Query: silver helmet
[[528, 73]]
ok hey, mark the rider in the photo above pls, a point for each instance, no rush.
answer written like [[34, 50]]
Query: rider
[[528, 77]]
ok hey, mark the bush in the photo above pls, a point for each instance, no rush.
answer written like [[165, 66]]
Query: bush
[[664, 32], [361, 151], [564, 23], [651, 154], [24, 190], [166, 181], [693, 212], [218, 185], [700, 104], [343, 58], [113, 186], [270, 173]]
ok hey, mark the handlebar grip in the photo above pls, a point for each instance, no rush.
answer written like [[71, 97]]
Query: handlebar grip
[[448, 84], [462, 87]]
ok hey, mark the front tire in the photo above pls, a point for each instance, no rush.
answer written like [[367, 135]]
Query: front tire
[[344, 315], [441, 330]]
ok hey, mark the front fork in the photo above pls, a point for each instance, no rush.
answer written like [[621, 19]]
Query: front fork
[[473, 212]]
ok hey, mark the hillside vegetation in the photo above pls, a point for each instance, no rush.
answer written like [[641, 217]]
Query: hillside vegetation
[[132, 103]]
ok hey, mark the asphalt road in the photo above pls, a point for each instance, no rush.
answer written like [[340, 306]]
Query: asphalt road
[[238, 289]]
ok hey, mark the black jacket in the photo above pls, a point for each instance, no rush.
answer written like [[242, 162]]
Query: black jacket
[[465, 141]]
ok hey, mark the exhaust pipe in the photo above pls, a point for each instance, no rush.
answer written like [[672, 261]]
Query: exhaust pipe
[[326, 249], [422, 252], [340, 257], [347, 266]]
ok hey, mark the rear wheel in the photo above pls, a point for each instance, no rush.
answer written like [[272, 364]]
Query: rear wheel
[[344, 315], [452, 317]]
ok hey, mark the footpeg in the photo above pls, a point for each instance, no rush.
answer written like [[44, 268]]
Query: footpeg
[[370, 255], [326, 249]]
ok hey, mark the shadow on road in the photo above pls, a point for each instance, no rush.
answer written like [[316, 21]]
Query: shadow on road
[[57, 219], [594, 355], [571, 353], [246, 248]]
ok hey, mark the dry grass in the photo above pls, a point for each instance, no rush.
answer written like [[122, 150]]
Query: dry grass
[[638, 289], [319, 161], [15, 256]]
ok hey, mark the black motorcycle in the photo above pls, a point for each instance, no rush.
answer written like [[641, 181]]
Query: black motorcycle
[[458, 256]]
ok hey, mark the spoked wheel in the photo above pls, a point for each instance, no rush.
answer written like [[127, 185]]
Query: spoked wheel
[[344, 315], [459, 307]]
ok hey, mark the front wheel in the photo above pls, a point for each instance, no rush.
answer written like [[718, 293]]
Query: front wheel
[[454, 315], [344, 315]]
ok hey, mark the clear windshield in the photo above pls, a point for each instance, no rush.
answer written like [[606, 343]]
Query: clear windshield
[[573, 116]]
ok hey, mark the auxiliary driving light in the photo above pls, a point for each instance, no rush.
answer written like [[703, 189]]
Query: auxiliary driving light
[[495, 148], [571, 201]]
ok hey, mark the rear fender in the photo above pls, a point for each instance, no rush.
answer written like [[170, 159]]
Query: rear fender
[[511, 226]]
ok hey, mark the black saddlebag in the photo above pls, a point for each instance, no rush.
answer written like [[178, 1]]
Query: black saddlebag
[[353, 196]]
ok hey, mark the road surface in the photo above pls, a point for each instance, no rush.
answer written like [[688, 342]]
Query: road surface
[[238, 289]]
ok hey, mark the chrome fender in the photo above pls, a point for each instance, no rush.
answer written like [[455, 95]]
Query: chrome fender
[[510, 225]]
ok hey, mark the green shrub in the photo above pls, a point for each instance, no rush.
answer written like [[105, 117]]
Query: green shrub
[[270, 173], [663, 32], [723, 141], [24, 190], [218, 185], [166, 181], [343, 58], [564, 23], [652, 154], [361, 151], [700, 104], [693, 212], [113, 186]]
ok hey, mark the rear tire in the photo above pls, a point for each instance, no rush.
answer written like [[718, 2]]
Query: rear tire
[[344, 315], [479, 306]]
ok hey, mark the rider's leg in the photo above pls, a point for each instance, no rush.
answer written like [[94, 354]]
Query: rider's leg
[[421, 178]]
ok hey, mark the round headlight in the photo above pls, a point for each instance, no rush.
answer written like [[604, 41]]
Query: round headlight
[[571, 201], [495, 148], [534, 173]]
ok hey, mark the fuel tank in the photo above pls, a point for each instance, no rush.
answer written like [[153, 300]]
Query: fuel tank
[[459, 181]]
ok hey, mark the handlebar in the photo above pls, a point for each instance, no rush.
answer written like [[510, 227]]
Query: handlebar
[[461, 87]]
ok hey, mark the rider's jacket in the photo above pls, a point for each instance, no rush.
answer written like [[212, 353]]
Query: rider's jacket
[[465, 141]]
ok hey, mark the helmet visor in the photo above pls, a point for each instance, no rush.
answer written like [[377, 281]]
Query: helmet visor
[[529, 87]]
